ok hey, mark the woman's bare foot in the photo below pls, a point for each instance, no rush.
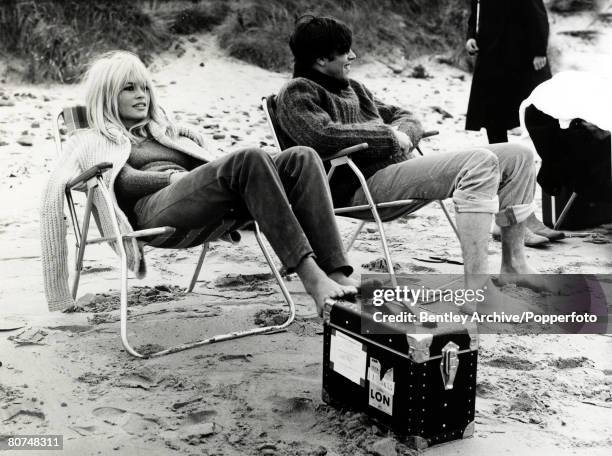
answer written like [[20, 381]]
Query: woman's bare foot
[[320, 286], [340, 278]]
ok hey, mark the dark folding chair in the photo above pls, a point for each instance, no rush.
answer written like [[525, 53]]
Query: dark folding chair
[[92, 181], [371, 212]]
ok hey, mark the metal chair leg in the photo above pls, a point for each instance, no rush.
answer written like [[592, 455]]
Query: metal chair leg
[[211, 340], [379, 224], [355, 235], [73, 217], [124, 271], [277, 276], [82, 240], [450, 220], [198, 267], [565, 210], [248, 332]]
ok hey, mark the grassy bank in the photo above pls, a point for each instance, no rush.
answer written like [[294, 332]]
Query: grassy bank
[[388, 29], [55, 38]]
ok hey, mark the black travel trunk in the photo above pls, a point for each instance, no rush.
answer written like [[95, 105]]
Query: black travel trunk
[[421, 386]]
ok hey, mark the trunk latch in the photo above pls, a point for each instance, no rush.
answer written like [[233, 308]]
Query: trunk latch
[[449, 364]]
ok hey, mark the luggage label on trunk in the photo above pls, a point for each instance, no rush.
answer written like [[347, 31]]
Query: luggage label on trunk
[[381, 388], [348, 357]]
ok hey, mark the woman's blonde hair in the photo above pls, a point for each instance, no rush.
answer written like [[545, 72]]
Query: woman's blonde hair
[[104, 81]]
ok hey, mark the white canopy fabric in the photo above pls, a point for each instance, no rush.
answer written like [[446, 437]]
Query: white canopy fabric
[[573, 94]]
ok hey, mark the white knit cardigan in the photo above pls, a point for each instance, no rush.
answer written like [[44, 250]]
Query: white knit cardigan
[[85, 149]]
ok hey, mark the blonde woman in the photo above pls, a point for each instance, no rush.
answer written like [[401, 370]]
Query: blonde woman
[[163, 175]]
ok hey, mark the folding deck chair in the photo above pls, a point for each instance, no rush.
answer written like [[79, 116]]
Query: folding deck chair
[[91, 181], [371, 212]]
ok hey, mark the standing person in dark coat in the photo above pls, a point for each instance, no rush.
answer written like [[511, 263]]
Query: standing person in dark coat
[[510, 38]]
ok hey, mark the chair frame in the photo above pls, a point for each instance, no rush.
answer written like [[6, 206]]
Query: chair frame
[[557, 222], [343, 157], [93, 180]]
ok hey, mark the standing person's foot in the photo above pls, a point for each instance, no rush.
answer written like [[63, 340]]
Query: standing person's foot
[[531, 239], [523, 275], [534, 240], [516, 131], [495, 301], [538, 228]]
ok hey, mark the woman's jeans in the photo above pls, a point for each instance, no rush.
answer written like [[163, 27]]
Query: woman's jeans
[[498, 179], [286, 194]]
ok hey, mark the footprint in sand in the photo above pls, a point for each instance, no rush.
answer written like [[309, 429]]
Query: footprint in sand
[[196, 434], [143, 378], [486, 389], [570, 363], [295, 410], [17, 413], [200, 416], [511, 362], [84, 431], [130, 422]]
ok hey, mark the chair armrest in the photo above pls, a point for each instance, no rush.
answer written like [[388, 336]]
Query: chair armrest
[[347, 151], [98, 169], [429, 133]]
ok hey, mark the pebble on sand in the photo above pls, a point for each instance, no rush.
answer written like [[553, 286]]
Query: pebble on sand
[[25, 140], [384, 447], [197, 431]]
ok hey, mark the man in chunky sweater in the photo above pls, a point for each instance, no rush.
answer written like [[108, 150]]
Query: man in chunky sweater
[[324, 109]]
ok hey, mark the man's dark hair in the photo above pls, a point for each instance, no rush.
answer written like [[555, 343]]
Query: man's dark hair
[[315, 37]]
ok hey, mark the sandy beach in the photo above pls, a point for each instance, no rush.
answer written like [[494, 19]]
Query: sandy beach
[[68, 373]]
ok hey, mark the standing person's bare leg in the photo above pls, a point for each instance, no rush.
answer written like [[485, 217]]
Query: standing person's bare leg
[[473, 230], [514, 260], [514, 267]]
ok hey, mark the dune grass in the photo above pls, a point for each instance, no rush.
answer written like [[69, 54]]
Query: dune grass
[[56, 38], [258, 31], [201, 17]]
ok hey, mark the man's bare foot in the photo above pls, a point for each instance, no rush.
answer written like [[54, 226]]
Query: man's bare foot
[[340, 278], [523, 276], [321, 287], [496, 301], [514, 267]]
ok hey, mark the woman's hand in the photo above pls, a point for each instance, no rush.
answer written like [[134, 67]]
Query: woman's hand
[[404, 140], [471, 46], [198, 138], [539, 62], [177, 176]]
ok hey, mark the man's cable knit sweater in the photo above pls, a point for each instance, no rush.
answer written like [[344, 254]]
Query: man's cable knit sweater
[[319, 112], [85, 149]]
